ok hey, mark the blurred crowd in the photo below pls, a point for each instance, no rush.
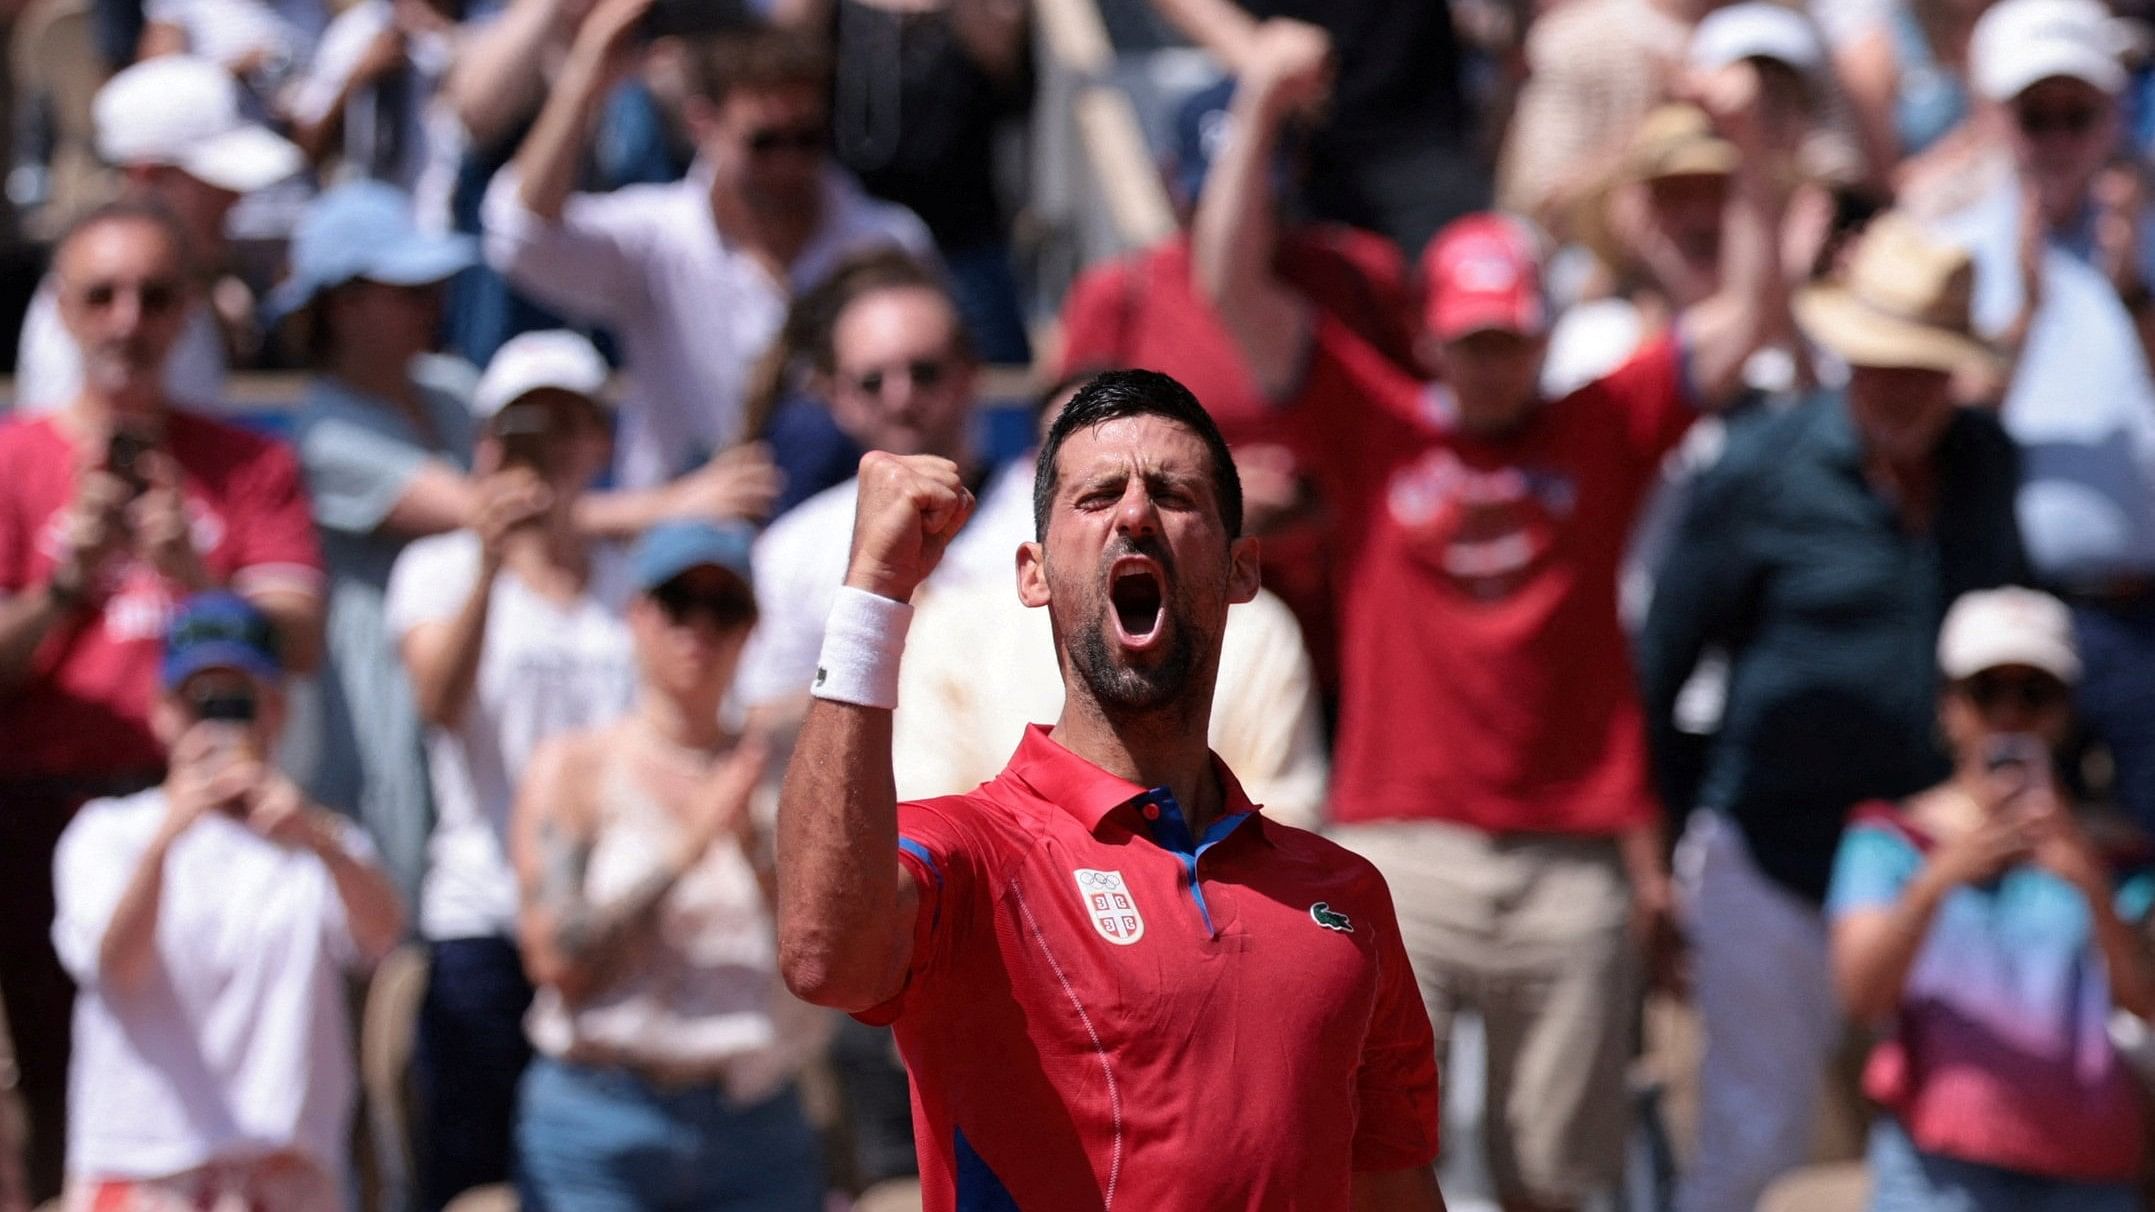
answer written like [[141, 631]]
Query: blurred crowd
[[1704, 458]]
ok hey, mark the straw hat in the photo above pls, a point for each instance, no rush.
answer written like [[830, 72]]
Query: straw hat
[[1904, 302], [1676, 139]]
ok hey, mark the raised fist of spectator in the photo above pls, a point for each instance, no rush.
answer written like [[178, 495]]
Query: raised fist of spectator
[[610, 42], [1291, 63], [508, 498]]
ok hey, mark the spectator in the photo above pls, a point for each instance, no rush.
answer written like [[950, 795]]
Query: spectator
[[1491, 760], [1819, 553], [511, 633], [920, 94], [2063, 273], [1979, 920], [1598, 67], [1145, 310], [173, 127], [1906, 71], [385, 439], [693, 276], [365, 105], [112, 509], [264, 44], [210, 921], [1395, 153], [901, 378], [669, 1048], [980, 670]]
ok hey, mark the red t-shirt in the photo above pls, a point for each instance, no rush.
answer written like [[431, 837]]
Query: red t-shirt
[[86, 706], [1103, 1011], [1486, 678], [1145, 311]]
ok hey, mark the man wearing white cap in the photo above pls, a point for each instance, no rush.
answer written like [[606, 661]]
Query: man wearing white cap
[[2064, 270], [174, 129]]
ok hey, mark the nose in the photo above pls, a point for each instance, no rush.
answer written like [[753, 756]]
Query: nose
[[1136, 515]]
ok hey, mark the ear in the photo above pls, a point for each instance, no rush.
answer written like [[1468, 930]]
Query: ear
[[1242, 570], [1033, 575]]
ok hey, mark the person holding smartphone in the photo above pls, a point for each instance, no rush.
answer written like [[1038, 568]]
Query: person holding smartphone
[[511, 631], [1994, 936], [210, 921]]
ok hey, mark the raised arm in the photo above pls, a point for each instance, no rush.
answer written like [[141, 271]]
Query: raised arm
[[1751, 308], [605, 50], [1236, 232], [499, 74], [846, 907], [1220, 26]]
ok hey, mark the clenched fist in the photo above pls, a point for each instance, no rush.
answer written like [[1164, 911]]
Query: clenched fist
[[909, 509]]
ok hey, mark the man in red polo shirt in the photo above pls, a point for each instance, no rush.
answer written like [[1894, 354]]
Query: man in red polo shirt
[[1491, 756], [1114, 982]]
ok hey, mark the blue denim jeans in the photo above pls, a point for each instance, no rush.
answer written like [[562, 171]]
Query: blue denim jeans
[[1905, 1179], [604, 1139]]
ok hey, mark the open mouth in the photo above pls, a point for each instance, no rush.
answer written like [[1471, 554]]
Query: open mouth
[[1137, 591]]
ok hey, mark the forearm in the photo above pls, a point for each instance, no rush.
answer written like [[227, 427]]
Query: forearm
[[1871, 963], [128, 950], [1752, 304], [444, 679], [373, 910], [26, 619], [579, 946], [841, 936], [622, 513], [1233, 238], [297, 618], [547, 162], [498, 76]]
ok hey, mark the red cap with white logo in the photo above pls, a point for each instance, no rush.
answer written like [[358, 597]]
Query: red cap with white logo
[[1484, 272]]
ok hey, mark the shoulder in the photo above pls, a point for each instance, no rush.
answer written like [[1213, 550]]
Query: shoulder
[[20, 435], [102, 826], [424, 563]]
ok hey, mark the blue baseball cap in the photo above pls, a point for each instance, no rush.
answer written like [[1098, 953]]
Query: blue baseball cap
[[365, 229], [219, 630], [671, 548]]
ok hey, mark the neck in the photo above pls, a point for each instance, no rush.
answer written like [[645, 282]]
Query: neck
[[775, 234], [95, 412], [1166, 748], [686, 724], [550, 544]]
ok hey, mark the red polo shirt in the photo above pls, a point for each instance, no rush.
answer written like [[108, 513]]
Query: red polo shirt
[[1105, 1012]]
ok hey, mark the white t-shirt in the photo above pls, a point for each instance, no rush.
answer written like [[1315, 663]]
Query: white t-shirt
[[545, 668], [238, 1046], [801, 561], [48, 366]]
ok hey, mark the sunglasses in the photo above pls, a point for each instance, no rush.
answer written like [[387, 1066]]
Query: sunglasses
[[225, 705], [922, 374], [802, 140], [2066, 120], [2031, 692], [724, 609], [156, 296]]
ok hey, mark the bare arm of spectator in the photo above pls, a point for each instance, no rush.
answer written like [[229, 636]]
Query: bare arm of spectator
[[317, 123], [571, 942], [442, 658], [1870, 78], [846, 906], [200, 781], [2061, 846], [1236, 229], [94, 532], [741, 484], [1220, 26], [606, 49], [499, 75], [1752, 305], [373, 910]]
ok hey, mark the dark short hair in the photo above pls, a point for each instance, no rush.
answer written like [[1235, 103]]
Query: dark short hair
[[756, 59], [125, 210], [1136, 393]]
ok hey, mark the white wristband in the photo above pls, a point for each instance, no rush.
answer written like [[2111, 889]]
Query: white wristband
[[862, 642]]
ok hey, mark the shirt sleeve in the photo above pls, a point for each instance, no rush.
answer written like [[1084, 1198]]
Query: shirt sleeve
[[277, 547], [588, 265], [430, 581], [941, 846], [1870, 870], [355, 473], [90, 870], [1352, 411], [1396, 1084]]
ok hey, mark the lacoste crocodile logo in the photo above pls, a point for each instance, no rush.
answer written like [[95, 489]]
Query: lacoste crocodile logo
[[1322, 914]]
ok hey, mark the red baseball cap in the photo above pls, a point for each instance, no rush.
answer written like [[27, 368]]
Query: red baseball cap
[[1484, 272]]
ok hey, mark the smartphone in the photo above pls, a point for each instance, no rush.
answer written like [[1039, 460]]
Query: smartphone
[[2018, 760], [123, 458], [522, 430], [695, 18]]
